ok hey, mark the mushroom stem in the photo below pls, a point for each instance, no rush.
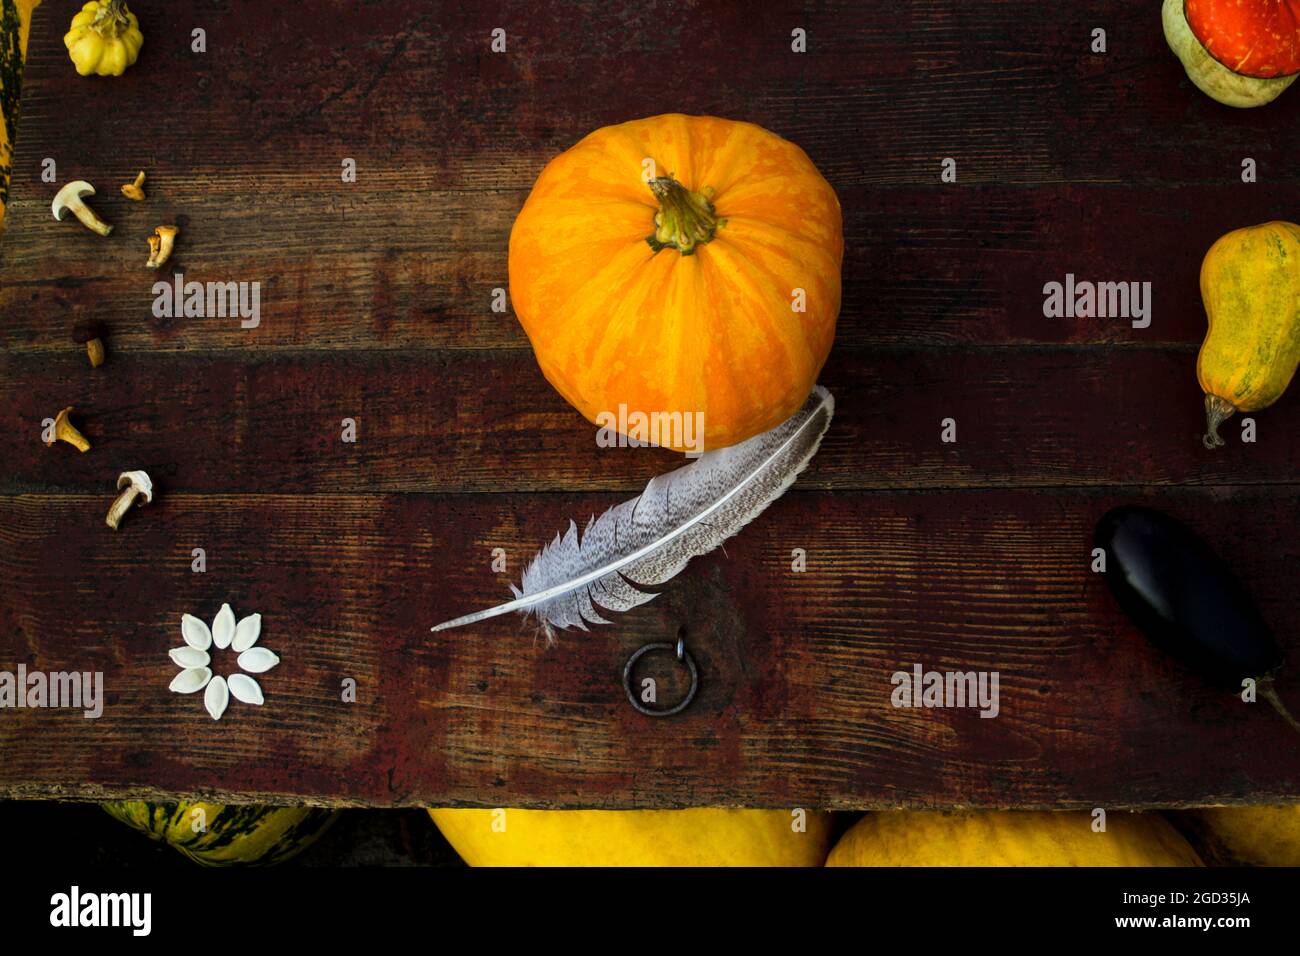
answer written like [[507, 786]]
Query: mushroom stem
[[121, 505], [166, 236], [130, 485], [90, 220], [64, 430], [135, 190], [90, 334], [73, 437], [72, 198]]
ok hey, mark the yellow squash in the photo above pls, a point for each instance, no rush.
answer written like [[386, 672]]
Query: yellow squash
[[1010, 838], [636, 837], [1250, 283], [1252, 836], [104, 39]]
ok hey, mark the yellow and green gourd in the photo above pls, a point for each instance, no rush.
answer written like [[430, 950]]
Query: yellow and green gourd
[[231, 834], [15, 24], [104, 38], [1250, 283]]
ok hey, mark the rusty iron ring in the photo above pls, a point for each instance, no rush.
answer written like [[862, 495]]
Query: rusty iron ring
[[683, 656]]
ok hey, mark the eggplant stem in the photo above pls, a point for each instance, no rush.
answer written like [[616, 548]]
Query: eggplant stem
[[1269, 693]]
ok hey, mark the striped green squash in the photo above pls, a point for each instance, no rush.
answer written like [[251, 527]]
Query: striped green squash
[[15, 23], [232, 834]]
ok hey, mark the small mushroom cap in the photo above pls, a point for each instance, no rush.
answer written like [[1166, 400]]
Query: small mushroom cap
[[62, 417], [165, 231], [132, 191], [70, 196], [1257, 38], [142, 482], [87, 330]]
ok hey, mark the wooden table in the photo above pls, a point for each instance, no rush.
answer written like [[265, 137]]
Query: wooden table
[[376, 305]]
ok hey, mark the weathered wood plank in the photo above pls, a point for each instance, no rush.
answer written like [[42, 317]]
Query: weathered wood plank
[[794, 700], [414, 94], [933, 267], [449, 421], [376, 308], [449, 138]]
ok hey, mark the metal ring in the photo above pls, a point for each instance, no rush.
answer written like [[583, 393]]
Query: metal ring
[[678, 649]]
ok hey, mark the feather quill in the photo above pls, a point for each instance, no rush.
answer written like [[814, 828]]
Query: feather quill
[[648, 540]]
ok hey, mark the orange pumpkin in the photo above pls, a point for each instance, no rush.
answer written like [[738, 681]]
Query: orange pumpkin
[[680, 264]]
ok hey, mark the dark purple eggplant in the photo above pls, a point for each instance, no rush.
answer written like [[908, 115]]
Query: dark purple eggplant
[[1186, 599]]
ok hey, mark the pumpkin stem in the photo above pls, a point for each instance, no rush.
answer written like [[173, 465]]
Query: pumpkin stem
[[1217, 411], [111, 21], [685, 219]]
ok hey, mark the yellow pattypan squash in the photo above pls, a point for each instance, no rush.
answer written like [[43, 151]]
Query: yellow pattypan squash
[[696, 837], [104, 39]]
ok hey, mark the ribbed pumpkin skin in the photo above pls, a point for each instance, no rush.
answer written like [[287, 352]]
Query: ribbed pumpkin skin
[[1010, 838], [235, 834], [1250, 283], [615, 323], [698, 837]]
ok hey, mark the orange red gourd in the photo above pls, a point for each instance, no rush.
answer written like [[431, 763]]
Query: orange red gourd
[[681, 264]]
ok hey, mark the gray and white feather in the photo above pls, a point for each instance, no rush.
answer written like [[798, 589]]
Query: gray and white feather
[[648, 540]]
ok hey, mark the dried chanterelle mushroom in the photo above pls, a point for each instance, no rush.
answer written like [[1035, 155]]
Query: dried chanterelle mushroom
[[91, 335], [69, 199], [135, 190], [64, 430], [160, 245], [132, 484]]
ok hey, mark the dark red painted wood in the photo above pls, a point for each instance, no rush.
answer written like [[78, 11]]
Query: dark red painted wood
[[376, 300]]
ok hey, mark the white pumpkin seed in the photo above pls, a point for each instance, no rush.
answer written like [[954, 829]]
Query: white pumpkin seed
[[190, 680], [216, 697], [247, 633], [188, 657], [245, 688], [223, 628], [257, 660], [195, 632]]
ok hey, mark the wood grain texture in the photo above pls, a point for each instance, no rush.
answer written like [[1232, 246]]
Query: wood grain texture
[[448, 139], [794, 702], [924, 267], [376, 306], [489, 421]]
